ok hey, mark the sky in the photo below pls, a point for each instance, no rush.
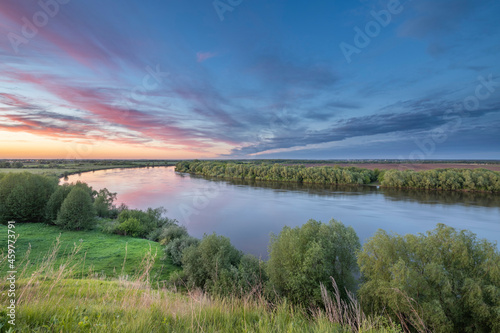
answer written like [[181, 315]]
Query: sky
[[171, 79]]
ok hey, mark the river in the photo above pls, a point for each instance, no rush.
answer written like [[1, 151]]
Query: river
[[247, 212]]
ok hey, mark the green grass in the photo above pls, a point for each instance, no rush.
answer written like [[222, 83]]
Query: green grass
[[74, 168], [87, 305], [104, 254]]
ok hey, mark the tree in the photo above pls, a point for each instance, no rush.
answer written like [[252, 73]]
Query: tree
[[450, 278], [57, 198], [23, 196], [175, 248], [212, 264], [55, 202], [103, 202], [302, 258], [152, 221], [77, 211]]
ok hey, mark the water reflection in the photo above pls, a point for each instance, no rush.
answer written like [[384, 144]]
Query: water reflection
[[480, 199]]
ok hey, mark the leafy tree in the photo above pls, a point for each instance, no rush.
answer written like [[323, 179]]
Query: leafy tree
[[77, 211], [103, 202], [175, 248], [23, 196], [251, 274], [55, 202], [151, 220], [57, 198], [451, 279], [170, 233], [212, 264], [303, 257]]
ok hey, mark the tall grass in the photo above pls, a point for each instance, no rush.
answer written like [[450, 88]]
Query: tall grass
[[50, 299]]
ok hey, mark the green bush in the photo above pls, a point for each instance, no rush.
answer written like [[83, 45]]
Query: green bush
[[131, 227], [23, 196], [169, 233], [450, 279], [303, 257], [175, 248], [251, 274], [77, 211], [151, 220], [212, 265]]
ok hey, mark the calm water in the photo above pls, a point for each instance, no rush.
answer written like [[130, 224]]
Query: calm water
[[247, 212]]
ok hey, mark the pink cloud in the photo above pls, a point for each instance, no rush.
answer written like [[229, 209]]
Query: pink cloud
[[99, 105], [202, 56]]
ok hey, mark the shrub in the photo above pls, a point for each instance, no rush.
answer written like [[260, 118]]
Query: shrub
[[23, 196], [450, 279], [77, 211], [170, 232], [212, 264], [251, 274], [150, 220], [175, 248], [131, 227], [303, 257]]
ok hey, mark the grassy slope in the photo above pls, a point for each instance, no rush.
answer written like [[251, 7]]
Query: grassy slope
[[112, 306], [104, 253]]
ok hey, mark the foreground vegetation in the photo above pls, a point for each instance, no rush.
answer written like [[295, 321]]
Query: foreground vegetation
[[442, 281], [437, 179]]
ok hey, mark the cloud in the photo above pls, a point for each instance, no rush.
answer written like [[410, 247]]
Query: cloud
[[202, 56], [436, 17], [68, 35], [289, 73], [402, 118]]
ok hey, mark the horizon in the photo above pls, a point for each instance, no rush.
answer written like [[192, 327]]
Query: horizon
[[371, 80]]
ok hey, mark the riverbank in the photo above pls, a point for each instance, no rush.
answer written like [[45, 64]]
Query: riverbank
[[470, 180], [65, 168]]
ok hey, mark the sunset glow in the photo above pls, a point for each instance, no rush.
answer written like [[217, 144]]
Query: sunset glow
[[172, 80]]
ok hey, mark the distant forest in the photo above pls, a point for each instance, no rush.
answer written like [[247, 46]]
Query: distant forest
[[436, 179]]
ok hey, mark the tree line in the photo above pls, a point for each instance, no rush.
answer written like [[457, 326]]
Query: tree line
[[444, 179], [436, 179], [278, 172]]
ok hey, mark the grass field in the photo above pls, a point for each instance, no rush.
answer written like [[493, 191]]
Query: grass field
[[113, 306], [99, 253], [69, 167]]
